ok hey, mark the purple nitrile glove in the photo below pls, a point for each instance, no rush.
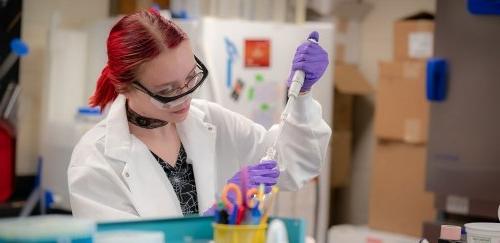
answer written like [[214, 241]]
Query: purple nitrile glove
[[210, 211], [311, 58], [266, 172]]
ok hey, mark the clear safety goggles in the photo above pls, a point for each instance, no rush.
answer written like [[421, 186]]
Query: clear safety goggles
[[174, 96]]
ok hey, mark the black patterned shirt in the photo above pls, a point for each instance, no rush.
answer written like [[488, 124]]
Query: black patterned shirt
[[182, 178]]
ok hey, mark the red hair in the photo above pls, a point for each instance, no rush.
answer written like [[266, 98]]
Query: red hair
[[134, 40]]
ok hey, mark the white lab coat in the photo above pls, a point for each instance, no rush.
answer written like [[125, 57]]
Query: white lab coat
[[113, 175]]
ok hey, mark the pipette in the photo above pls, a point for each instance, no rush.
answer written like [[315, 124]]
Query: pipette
[[293, 92]]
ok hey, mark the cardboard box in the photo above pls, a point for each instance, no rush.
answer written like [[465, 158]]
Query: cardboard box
[[341, 158], [413, 39], [398, 200], [401, 109], [350, 80]]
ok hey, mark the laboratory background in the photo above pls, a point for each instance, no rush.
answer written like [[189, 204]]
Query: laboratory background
[[411, 94]]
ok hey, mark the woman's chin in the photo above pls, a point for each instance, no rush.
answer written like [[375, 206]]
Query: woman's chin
[[180, 115]]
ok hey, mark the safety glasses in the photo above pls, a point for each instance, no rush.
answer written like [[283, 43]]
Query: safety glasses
[[168, 95]]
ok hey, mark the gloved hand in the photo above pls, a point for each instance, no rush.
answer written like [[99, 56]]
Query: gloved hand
[[266, 172], [210, 211], [311, 58]]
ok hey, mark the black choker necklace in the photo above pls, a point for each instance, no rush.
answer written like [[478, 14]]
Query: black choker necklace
[[142, 121]]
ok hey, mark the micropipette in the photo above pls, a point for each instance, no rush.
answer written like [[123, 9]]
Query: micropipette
[[293, 92]]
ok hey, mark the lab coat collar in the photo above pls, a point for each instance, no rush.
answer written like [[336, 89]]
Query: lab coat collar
[[118, 138], [197, 136]]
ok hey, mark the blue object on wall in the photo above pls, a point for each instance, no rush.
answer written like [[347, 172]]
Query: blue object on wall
[[484, 7], [437, 78], [232, 53]]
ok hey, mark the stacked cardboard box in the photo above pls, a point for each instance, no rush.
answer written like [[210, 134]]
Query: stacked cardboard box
[[398, 200], [349, 83]]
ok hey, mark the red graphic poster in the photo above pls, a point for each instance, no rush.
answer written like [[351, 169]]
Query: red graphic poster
[[257, 53]]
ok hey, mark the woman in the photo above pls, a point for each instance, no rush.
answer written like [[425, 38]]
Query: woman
[[158, 153]]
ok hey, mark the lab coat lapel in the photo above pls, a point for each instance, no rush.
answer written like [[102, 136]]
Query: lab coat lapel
[[198, 138], [151, 191]]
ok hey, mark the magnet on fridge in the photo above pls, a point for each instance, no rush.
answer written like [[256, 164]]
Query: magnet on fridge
[[484, 7], [437, 75]]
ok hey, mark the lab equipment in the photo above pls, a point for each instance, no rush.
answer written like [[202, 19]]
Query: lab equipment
[[239, 233], [129, 236], [482, 232], [54, 228], [196, 228], [269, 206], [242, 205], [296, 84], [86, 118], [244, 221], [168, 99], [254, 216], [232, 197], [260, 197], [277, 232], [311, 59], [235, 199]]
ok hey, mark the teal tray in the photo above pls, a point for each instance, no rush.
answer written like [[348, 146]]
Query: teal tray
[[194, 229]]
